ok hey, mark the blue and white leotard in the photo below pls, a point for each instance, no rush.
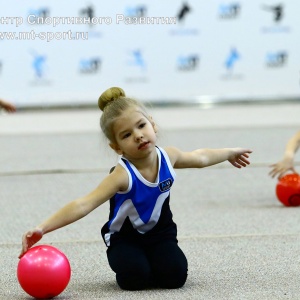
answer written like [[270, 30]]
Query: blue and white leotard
[[142, 212]]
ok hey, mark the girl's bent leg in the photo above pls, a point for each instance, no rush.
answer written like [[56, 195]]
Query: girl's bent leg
[[169, 265], [132, 268]]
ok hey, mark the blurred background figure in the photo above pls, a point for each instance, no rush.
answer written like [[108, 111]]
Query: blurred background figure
[[7, 106], [287, 163]]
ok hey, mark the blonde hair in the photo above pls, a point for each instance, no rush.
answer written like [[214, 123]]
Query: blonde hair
[[113, 102]]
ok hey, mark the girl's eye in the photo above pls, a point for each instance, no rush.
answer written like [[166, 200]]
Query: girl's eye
[[126, 135], [142, 125]]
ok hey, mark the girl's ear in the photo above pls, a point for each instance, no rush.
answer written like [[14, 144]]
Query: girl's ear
[[153, 124], [116, 148]]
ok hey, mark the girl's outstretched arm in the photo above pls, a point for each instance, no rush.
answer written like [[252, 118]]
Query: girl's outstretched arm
[[201, 158], [78, 208], [287, 163]]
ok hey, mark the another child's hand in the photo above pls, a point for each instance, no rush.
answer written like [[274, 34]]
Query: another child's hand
[[280, 168], [29, 239], [9, 107], [239, 157]]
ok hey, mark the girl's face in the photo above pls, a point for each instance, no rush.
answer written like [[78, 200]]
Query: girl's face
[[135, 135]]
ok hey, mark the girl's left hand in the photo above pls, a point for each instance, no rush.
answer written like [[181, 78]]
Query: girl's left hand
[[239, 157]]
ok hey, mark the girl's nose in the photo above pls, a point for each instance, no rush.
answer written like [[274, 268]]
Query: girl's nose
[[138, 136]]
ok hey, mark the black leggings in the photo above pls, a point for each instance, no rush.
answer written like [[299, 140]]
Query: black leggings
[[161, 265]]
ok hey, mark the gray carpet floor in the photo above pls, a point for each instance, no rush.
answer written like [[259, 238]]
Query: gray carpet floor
[[241, 243]]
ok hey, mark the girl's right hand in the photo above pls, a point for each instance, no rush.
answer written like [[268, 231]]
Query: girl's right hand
[[29, 239]]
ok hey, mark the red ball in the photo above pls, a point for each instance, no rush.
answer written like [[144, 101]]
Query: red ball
[[44, 272], [288, 190]]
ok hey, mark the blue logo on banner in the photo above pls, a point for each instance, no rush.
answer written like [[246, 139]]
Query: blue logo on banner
[[182, 15], [88, 12], [89, 66], [137, 60], [136, 11], [37, 16], [137, 74], [229, 11], [39, 64], [230, 64], [165, 185], [277, 11], [183, 12], [277, 17], [275, 60], [231, 59], [188, 63]]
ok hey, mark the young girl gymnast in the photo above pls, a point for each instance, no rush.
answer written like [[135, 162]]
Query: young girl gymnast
[[140, 235]]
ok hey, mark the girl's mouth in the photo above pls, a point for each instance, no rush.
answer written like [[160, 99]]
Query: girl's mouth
[[143, 145]]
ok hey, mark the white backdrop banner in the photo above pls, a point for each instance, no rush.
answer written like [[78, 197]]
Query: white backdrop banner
[[68, 52]]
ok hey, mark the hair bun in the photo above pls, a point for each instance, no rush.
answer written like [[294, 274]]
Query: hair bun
[[109, 95]]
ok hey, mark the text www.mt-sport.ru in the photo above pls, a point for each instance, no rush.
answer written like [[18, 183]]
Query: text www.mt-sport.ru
[[46, 36]]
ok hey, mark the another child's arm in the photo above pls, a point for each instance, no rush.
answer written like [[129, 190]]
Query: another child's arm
[[287, 163], [201, 158], [78, 208], [7, 106]]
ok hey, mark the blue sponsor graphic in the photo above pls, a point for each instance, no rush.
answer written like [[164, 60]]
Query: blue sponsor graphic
[[182, 29], [165, 185], [188, 63], [88, 12], [36, 15], [276, 10], [89, 66], [136, 11], [39, 64], [232, 58], [229, 11], [184, 10], [230, 65], [137, 60], [277, 14], [277, 59], [137, 63]]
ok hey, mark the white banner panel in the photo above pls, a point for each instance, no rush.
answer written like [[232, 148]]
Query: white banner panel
[[63, 52]]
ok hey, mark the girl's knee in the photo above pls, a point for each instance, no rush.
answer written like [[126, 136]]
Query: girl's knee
[[172, 275], [133, 281], [172, 280]]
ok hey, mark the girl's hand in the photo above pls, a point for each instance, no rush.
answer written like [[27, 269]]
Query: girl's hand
[[29, 239], [282, 167], [239, 157]]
